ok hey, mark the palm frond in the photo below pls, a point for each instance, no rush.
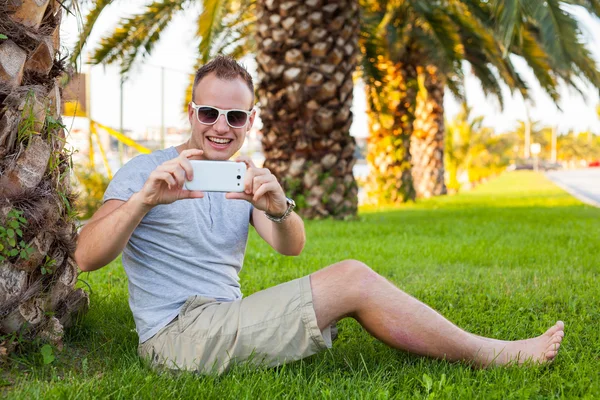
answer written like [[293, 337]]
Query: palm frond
[[456, 85], [232, 34], [90, 21], [210, 24], [135, 34], [509, 16], [236, 36], [490, 83], [481, 46], [371, 73], [372, 47], [439, 26], [561, 37], [558, 32], [540, 63]]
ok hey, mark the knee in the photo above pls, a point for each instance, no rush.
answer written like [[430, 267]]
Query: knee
[[356, 273]]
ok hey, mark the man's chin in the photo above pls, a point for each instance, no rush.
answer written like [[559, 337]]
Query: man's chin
[[218, 155]]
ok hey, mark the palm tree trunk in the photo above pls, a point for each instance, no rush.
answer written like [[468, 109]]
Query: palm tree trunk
[[391, 115], [37, 239], [307, 54], [427, 142]]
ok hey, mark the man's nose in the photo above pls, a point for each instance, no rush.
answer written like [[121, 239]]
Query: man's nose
[[221, 124]]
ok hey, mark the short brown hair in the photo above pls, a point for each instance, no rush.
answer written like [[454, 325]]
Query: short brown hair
[[226, 68]]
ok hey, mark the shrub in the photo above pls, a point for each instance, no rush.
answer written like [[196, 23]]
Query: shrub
[[92, 185]]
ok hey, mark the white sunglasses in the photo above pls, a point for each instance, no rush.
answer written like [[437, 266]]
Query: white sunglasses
[[209, 115]]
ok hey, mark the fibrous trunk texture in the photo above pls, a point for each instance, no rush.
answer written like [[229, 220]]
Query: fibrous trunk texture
[[427, 141], [37, 239], [391, 103], [307, 54]]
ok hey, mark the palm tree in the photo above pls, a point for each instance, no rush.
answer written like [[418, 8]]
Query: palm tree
[[545, 34], [424, 45], [37, 222], [469, 22], [306, 54]]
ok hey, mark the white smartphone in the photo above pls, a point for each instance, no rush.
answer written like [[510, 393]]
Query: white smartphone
[[217, 176]]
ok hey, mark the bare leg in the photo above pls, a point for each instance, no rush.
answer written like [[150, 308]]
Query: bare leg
[[351, 289]]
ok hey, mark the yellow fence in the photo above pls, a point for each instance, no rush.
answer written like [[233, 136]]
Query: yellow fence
[[94, 126]]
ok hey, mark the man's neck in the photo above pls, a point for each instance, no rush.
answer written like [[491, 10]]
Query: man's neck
[[182, 147]]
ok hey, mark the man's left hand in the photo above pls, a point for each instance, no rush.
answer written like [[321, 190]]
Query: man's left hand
[[262, 189]]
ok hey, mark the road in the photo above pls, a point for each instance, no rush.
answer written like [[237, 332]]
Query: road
[[582, 183]]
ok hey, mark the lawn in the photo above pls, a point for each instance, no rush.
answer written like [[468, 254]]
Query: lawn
[[506, 260]]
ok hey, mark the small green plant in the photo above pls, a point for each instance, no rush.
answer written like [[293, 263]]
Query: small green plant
[[47, 354], [52, 123], [3, 36], [26, 128], [11, 237], [48, 266]]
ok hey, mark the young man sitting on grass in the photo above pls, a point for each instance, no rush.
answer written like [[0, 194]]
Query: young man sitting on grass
[[183, 250]]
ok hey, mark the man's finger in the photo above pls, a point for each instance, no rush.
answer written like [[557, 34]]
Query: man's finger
[[191, 194], [186, 165], [191, 153], [246, 160], [238, 196], [264, 189], [249, 180], [179, 175], [259, 180], [165, 176]]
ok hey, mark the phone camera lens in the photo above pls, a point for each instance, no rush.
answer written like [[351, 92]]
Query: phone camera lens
[[239, 177]]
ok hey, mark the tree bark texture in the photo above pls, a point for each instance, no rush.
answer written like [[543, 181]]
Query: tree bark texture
[[37, 295], [427, 141], [307, 54], [391, 111]]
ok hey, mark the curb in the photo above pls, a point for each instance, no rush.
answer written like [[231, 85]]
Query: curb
[[583, 198]]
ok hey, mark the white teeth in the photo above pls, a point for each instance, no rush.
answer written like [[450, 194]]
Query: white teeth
[[219, 140]]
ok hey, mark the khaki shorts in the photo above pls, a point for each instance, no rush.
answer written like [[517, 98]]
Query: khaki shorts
[[268, 328]]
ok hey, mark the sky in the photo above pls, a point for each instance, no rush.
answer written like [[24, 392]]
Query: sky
[[173, 58]]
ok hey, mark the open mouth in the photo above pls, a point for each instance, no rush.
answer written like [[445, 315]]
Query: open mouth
[[219, 141]]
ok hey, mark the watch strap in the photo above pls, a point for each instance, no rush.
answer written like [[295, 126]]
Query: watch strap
[[291, 204]]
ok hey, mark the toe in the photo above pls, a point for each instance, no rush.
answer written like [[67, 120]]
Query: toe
[[558, 327], [557, 337], [552, 348]]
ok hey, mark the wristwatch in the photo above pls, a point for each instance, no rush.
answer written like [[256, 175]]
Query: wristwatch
[[291, 204]]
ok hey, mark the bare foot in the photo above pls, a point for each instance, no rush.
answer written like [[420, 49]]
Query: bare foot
[[538, 350]]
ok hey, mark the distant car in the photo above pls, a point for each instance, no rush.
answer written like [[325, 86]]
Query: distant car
[[595, 163], [519, 167], [550, 166], [542, 165]]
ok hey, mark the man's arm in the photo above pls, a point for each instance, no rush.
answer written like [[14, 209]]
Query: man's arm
[[262, 189], [105, 236], [287, 237]]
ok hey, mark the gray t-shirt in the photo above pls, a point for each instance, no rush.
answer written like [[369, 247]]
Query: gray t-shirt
[[186, 248]]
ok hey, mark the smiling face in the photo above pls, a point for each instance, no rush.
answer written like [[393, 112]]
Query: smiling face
[[219, 141]]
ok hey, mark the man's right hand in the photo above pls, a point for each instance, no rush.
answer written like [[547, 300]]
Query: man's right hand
[[165, 183]]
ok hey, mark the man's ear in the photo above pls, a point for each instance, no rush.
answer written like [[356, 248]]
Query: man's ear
[[191, 112], [251, 120]]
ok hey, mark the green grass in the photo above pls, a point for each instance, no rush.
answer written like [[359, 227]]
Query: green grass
[[506, 260]]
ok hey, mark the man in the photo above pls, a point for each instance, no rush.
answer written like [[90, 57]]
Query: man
[[182, 251]]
